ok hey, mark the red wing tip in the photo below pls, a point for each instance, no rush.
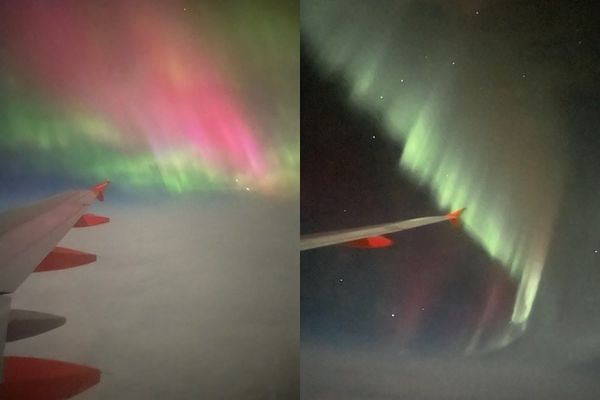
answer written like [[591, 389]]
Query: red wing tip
[[102, 185], [99, 189], [455, 214], [454, 217]]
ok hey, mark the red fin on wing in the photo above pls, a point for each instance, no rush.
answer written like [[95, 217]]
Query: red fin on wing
[[63, 258], [373, 242], [90, 220]]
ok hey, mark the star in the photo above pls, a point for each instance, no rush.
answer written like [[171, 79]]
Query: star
[[393, 315], [381, 97]]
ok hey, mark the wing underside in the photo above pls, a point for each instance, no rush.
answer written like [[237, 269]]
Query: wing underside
[[28, 243], [36, 233]]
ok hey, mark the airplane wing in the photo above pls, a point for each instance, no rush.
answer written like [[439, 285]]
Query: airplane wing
[[28, 243], [369, 236]]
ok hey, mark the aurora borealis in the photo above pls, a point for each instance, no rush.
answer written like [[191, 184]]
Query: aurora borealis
[[473, 114], [173, 96], [232, 130]]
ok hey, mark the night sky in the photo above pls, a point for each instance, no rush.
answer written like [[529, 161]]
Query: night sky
[[416, 108]]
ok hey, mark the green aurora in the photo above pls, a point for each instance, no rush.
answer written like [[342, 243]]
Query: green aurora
[[475, 126], [167, 98]]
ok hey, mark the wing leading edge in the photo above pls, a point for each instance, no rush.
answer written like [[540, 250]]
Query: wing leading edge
[[359, 235]]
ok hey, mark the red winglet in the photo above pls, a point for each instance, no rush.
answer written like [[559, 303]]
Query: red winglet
[[373, 242], [63, 258], [90, 220], [37, 379], [99, 189], [454, 217]]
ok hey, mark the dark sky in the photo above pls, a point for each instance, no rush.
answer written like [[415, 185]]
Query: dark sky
[[505, 96]]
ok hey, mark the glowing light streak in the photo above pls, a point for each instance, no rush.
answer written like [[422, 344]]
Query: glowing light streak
[[491, 154], [152, 96]]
